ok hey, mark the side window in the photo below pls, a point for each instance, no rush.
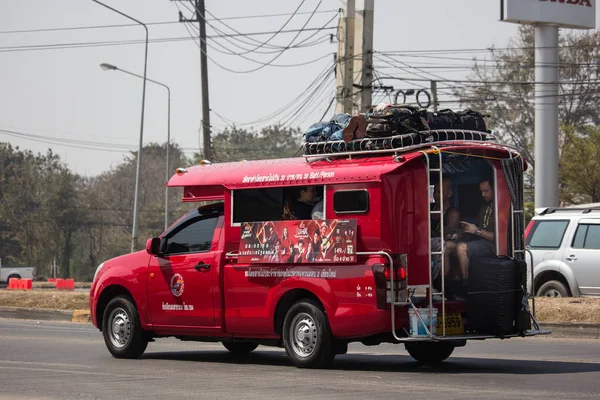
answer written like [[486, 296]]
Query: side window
[[351, 201], [592, 239], [194, 236], [250, 205], [579, 239], [277, 204], [547, 234]]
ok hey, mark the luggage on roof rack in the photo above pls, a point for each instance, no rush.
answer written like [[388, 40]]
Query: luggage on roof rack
[[397, 142]]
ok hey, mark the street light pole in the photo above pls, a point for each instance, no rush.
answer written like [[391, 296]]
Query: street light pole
[[139, 156], [109, 67]]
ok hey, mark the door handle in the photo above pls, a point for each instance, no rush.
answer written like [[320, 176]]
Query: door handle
[[201, 267], [571, 258]]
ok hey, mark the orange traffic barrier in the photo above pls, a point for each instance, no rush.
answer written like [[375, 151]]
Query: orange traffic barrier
[[20, 284], [52, 280], [65, 284]]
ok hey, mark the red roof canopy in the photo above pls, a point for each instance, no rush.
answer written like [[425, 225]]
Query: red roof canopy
[[300, 171], [285, 172]]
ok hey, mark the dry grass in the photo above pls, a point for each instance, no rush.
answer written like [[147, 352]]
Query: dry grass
[[59, 300], [578, 309], [547, 309]]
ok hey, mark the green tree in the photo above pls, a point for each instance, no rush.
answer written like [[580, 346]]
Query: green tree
[[498, 90], [240, 144], [580, 166]]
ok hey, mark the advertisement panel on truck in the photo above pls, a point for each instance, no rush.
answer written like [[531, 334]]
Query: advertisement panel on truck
[[298, 241]]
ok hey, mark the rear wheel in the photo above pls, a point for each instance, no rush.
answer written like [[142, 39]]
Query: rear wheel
[[122, 329], [429, 352], [240, 347], [307, 336], [553, 289], [11, 277]]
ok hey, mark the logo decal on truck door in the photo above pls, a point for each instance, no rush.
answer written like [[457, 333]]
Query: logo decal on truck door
[[177, 285]]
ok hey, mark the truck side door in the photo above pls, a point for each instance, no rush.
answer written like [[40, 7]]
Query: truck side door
[[181, 281], [583, 255]]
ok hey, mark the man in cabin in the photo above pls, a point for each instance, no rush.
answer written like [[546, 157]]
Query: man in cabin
[[483, 243], [305, 202]]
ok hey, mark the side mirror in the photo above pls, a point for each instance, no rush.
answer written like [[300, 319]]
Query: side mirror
[[153, 246]]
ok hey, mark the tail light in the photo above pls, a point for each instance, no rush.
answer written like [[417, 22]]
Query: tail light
[[383, 284], [399, 273]]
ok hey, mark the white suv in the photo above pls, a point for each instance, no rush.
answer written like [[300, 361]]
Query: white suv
[[565, 246]]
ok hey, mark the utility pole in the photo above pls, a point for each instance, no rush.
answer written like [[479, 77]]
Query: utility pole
[[434, 96], [201, 19], [363, 58], [345, 59]]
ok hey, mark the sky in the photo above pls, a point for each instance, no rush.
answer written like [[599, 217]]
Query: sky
[[91, 117]]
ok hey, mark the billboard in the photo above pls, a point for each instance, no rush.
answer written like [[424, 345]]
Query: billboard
[[580, 14], [298, 241]]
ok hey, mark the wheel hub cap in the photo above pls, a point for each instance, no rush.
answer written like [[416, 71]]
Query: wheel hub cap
[[120, 327], [304, 335]]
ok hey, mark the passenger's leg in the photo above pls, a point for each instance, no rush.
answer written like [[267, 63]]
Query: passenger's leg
[[449, 249], [463, 259]]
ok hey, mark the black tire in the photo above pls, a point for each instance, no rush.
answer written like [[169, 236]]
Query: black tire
[[429, 352], [553, 289], [122, 330], [15, 276], [307, 336], [240, 347]]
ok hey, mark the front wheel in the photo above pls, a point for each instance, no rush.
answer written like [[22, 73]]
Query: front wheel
[[122, 329], [307, 336], [553, 289], [429, 352], [240, 347]]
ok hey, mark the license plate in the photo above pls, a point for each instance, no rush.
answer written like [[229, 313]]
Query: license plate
[[454, 324]]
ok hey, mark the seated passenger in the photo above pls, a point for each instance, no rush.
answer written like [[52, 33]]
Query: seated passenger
[[304, 202], [287, 212], [317, 211], [449, 219], [483, 243]]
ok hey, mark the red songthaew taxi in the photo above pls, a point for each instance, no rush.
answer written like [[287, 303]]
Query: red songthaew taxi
[[417, 244]]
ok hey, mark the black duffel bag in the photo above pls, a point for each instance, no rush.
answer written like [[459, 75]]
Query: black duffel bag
[[396, 120], [471, 120], [443, 119]]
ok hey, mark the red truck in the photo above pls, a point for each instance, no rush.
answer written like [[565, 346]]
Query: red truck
[[243, 270]]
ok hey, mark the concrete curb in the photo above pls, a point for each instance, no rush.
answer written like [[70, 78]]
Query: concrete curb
[[559, 330], [45, 314], [573, 329]]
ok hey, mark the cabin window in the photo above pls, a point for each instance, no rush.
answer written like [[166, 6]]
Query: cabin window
[[251, 205], [351, 201], [278, 204]]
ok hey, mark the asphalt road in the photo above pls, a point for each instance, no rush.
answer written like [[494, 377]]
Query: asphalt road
[[51, 360]]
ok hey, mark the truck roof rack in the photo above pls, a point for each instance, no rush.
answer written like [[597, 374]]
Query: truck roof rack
[[398, 142]]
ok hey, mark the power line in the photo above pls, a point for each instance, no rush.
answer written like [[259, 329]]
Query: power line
[[69, 45], [260, 44], [270, 62], [281, 49], [484, 50], [327, 70], [303, 43], [74, 28]]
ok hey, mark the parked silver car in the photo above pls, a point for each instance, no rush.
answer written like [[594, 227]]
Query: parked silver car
[[565, 246]]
